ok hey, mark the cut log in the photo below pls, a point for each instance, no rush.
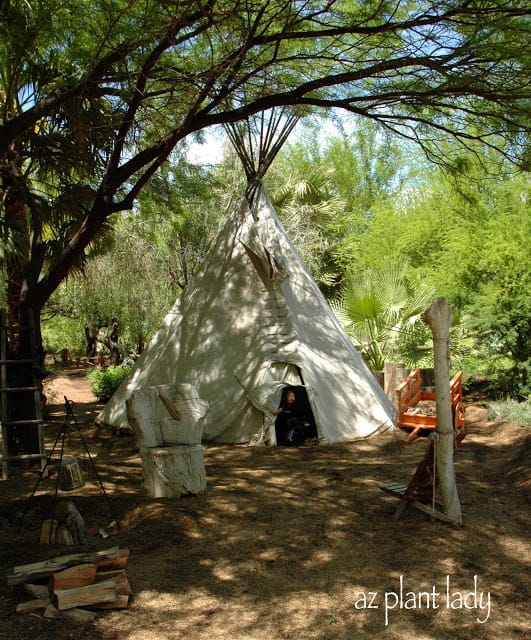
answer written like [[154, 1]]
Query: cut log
[[143, 414], [37, 590], [62, 562], [169, 404], [117, 562], [74, 615], [91, 594], [170, 472], [48, 531], [69, 516], [186, 409], [64, 536], [122, 583], [79, 576], [46, 568], [32, 605], [148, 409], [121, 602]]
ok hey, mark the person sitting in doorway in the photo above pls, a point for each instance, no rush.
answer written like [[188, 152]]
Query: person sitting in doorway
[[291, 426]]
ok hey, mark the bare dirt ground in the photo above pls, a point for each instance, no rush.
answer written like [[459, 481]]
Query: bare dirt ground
[[288, 543]]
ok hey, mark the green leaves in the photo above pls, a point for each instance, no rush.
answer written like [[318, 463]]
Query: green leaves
[[104, 382], [384, 315]]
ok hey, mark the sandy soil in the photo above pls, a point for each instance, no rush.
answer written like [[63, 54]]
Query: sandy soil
[[288, 543]]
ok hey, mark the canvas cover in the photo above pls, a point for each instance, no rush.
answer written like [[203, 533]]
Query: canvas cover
[[251, 322]]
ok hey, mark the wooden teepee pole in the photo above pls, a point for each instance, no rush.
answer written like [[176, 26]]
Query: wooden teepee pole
[[258, 139], [439, 318]]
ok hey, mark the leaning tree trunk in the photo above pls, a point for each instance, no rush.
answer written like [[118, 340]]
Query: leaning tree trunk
[[439, 318]]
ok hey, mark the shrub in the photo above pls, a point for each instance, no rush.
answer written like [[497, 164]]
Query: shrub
[[104, 382], [511, 410]]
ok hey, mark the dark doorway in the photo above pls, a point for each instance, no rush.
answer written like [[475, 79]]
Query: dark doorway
[[294, 423]]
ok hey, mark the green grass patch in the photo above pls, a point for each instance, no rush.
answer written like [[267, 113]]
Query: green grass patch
[[510, 410]]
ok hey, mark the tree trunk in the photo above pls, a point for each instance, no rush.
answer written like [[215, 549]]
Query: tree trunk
[[24, 348], [23, 217], [439, 317], [24, 255]]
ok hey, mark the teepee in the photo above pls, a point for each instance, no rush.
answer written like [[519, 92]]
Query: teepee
[[253, 321]]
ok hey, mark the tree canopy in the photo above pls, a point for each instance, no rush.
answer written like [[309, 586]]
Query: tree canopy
[[95, 96]]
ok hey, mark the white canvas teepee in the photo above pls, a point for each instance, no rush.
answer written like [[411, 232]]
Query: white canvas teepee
[[251, 322]]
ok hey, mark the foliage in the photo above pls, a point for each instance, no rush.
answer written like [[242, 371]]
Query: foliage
[[62, 332], [104, 382], [95, 98], [499, 302], [467, 238], [327, 188], [156, 250], [179, 213], [510, 410], [382, 310], [93, 103], [306, 207]]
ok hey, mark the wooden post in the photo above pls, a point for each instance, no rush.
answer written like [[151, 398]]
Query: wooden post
[[439, 317], [394, 374]]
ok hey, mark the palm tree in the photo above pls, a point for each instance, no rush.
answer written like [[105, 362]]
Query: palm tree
[[306, 207], [381, 311]]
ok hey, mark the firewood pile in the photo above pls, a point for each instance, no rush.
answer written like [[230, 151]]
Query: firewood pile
[[67, 528], [423, 407], [72, 587]]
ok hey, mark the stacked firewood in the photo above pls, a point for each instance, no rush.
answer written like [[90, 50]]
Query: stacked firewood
[[73, 586], [68, 528]]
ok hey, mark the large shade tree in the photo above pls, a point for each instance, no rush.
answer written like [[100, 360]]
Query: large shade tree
[[95, 95]]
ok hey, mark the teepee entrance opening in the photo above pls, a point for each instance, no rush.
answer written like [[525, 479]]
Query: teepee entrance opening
[[296, 423]]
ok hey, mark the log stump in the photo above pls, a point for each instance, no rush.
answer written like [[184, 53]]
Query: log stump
[[167, 420], [173, 471]]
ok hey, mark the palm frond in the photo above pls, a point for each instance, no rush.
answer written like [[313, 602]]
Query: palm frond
[[382, 311]]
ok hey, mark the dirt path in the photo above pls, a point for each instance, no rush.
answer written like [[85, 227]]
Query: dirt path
[[293, 543]]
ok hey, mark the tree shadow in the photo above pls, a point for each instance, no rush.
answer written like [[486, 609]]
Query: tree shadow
[[284, 542]]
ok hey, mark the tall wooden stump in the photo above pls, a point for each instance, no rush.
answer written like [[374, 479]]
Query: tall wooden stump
[[439, 318], [167, 421], [174, 471]]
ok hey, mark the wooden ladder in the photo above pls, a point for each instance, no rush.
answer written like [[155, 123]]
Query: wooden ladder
[[31, 428]]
